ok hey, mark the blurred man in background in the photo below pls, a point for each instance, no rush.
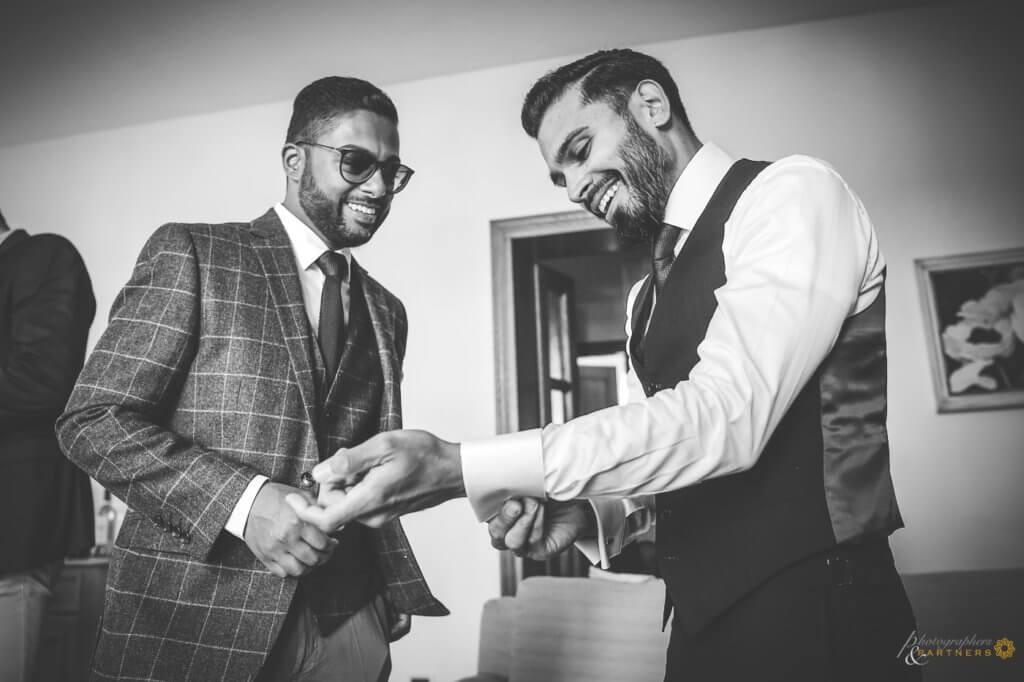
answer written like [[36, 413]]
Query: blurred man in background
[[46, 513]]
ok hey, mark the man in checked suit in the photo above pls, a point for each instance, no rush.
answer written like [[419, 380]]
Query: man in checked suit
[[237, 357]]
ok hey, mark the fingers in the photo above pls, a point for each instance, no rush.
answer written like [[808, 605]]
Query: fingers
[[348, 465], [337, 506], [518, 536], [338, 512], [499, 526], [335, 469], [284, 566], [304, 554], [297, 502], [307, 545], [274, 568], [317, 539], [361, 503]]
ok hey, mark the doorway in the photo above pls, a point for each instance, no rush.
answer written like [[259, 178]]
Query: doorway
[[560, 287]]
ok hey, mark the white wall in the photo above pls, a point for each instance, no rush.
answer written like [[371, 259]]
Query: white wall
[[919, 110]]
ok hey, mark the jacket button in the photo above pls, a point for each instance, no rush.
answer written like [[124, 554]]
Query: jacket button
[[306, 480], [665, 514]]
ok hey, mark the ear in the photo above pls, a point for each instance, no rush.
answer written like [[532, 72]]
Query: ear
[[650, 104], [293, 160]]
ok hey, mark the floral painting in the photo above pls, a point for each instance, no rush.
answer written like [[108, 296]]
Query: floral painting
[[974, 308]]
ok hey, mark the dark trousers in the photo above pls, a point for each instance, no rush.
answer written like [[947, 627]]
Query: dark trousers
[[838, 617]]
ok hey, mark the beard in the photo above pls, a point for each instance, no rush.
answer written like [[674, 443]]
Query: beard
[[327, 215], [647, 173]]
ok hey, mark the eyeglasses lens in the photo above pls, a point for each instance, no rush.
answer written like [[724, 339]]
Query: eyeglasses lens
[[357, 166]]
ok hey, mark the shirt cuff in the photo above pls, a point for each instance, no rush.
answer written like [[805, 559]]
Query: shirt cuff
[[495, 469], [240, 514], [611, 518], [619, 522]]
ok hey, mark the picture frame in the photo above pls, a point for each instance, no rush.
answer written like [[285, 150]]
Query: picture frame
[[973, 308]]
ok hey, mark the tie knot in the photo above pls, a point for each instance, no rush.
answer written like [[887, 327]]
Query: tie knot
[[332, 264], [665, 243]]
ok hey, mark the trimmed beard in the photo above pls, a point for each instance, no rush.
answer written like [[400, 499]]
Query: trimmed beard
[[647, 172], [326, 214]]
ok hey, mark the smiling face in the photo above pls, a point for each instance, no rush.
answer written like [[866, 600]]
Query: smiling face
[[341, 213], [608, 163]]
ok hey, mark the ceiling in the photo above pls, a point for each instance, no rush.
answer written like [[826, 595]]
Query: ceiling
[[72, 66]]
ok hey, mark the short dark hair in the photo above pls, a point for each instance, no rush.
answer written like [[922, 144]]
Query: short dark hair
[[321, 101], [607, 75]]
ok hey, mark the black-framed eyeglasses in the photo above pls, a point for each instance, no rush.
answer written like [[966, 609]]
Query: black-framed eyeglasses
[[358, 165]]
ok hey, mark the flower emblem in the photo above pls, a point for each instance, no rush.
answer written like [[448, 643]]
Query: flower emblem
[[987, 333], [1004, 648]]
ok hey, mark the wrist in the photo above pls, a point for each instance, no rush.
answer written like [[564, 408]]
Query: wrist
[[454, 481]]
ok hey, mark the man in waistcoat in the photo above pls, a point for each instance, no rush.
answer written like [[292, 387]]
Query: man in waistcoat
[[758, 340], [237, 357]]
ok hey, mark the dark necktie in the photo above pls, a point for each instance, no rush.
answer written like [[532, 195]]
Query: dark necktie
[[332, 314], [663, 254]]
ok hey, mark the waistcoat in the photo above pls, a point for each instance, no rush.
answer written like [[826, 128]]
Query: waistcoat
[[823, 477]]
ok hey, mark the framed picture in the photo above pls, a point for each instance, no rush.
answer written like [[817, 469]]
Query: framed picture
[[974, 309]]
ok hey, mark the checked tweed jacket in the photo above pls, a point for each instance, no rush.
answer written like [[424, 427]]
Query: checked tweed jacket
[[204, 378]]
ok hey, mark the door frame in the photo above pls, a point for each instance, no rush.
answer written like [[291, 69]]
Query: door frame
[[503, 233]]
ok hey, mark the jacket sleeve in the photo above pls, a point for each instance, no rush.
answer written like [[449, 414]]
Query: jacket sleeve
[[115, 424], [52, 307]]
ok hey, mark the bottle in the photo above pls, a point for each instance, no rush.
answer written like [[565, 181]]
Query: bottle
[[106, 524]]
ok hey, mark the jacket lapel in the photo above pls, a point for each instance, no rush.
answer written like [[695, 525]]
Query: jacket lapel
[[383, 323], [274, 252]]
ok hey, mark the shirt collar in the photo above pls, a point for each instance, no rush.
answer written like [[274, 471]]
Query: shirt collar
[[306, 245], [5, 234], [692, 191]]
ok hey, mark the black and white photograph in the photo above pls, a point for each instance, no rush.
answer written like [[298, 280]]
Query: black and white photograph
[[477, 341]]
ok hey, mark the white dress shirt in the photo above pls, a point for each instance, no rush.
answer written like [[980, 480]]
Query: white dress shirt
[[800, 257], [306, 247]]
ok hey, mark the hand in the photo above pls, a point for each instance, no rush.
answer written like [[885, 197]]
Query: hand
[[537, 530], [393, 473], [286, 544]]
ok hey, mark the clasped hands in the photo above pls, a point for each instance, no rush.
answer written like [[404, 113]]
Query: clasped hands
[[398, 472]]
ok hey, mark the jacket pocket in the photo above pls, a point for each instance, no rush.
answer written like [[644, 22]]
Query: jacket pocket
[[141, 532]]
